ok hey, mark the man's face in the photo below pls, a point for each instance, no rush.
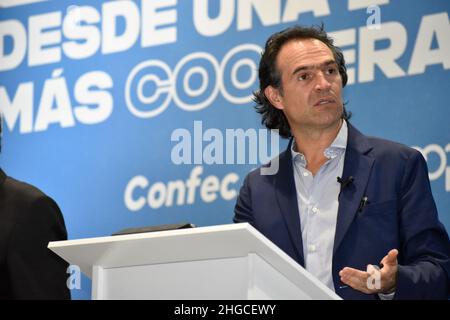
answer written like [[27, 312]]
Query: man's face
[[311, 85]]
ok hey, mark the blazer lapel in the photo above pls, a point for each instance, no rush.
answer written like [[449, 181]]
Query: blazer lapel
[[286, 196], [358, 164]]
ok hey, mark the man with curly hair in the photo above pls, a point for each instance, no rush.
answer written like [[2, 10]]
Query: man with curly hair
[[341, 202]]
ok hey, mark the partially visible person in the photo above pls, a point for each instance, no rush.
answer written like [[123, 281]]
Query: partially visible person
[[29, 220]]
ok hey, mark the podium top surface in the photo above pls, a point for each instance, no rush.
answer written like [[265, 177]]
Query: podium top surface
[[203, 243]]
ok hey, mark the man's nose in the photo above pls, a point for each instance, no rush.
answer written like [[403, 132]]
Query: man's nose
[[322, 83]]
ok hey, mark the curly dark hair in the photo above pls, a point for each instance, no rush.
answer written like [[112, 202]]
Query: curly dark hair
[[272, 117]]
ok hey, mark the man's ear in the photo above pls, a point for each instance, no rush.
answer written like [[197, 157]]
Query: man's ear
[[274, 97]]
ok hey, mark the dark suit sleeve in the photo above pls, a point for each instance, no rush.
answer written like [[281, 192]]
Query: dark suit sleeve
[[243, 209], [424, 258], [35, 271]]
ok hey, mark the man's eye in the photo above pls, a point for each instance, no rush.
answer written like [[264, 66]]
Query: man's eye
[[303, 77], [331, 71]]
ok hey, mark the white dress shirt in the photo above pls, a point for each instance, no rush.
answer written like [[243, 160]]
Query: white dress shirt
[[317, 198]]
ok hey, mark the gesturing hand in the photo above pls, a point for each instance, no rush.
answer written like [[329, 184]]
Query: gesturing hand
[[373, 280]]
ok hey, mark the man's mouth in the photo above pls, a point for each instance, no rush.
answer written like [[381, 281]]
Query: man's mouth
[[324, 101]]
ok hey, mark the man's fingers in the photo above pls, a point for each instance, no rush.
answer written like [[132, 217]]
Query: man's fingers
[[356, 279], [350, 273], [392, 255], [391, 258], [389, 272]]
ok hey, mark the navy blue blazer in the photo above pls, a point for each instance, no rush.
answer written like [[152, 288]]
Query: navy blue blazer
[[401, 214]]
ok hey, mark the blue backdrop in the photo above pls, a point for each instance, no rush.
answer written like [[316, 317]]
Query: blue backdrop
[[99, 97]]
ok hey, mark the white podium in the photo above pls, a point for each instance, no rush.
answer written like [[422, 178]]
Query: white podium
[[221, 262]]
